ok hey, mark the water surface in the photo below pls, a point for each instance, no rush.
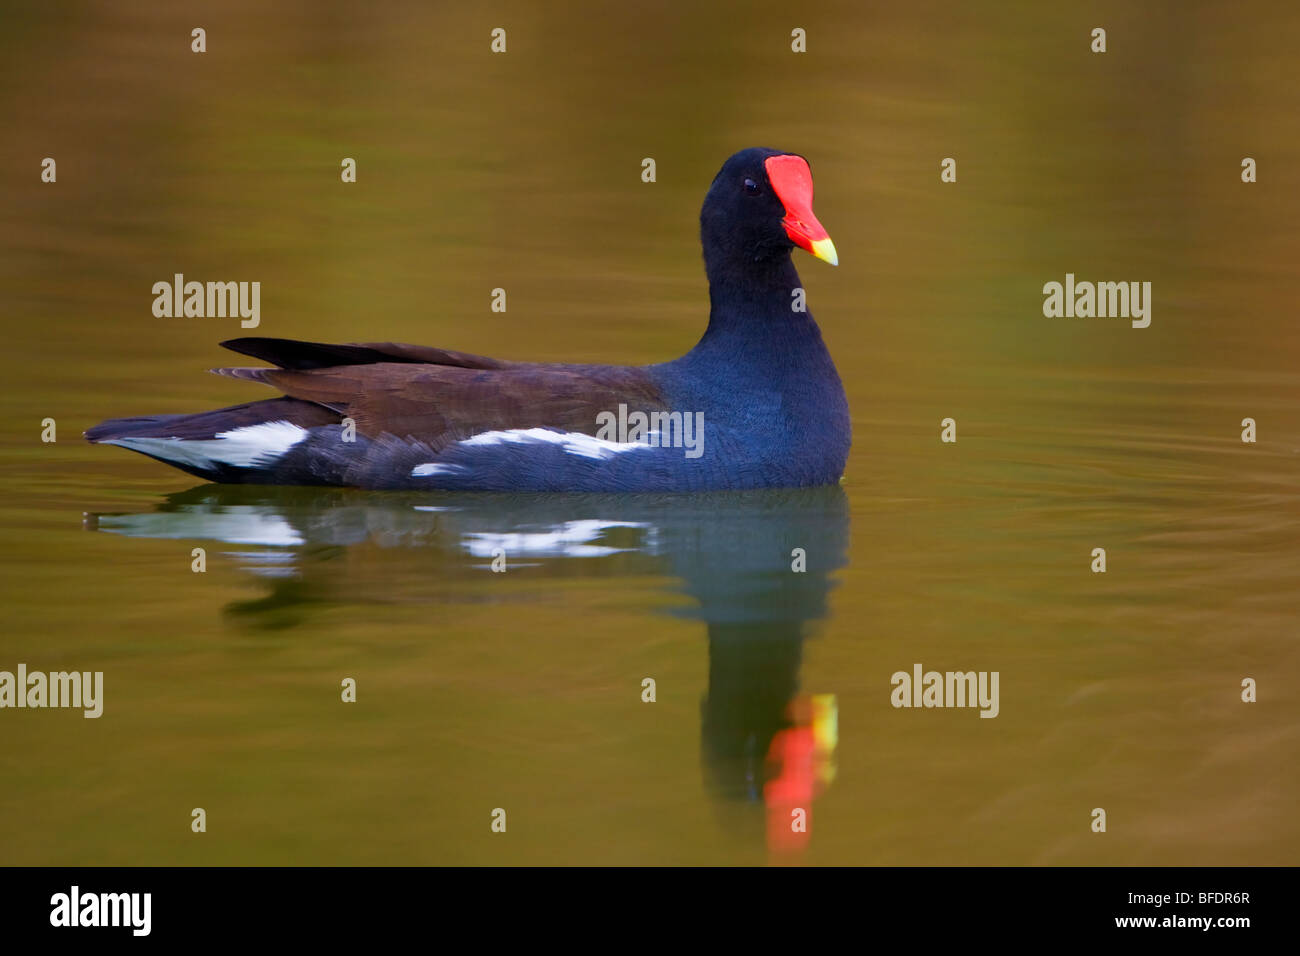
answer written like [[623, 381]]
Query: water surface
[[523, 690]]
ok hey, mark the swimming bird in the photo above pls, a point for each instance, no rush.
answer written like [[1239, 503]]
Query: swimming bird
[[757, 403]]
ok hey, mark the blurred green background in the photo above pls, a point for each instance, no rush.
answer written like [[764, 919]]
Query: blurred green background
[[522, 171]]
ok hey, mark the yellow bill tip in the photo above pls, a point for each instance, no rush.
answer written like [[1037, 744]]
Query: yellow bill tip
[[824, 249]]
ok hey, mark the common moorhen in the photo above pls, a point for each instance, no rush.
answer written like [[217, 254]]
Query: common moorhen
[[756, 403]]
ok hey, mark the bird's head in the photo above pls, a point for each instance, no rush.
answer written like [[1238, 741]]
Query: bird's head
[[759, 208]]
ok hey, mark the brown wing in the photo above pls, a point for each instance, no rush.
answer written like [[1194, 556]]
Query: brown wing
[[440, 404]]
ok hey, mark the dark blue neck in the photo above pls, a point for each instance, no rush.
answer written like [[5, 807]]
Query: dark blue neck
[[764, 378], [752, 315]]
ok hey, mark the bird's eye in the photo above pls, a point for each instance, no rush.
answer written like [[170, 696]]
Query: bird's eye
[[751, 187]]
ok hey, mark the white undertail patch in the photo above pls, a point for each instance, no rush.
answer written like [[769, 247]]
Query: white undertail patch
[[247, 447]]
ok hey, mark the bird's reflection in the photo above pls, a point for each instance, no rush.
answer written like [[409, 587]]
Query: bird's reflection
[[758, 566]]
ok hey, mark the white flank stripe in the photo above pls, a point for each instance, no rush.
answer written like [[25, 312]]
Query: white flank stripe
[[433, 468], [238, 448], [575, 443]]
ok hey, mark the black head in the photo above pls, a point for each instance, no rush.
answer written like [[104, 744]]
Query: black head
[[758, 209]]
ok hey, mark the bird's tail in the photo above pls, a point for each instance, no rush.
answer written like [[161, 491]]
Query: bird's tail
[[242, 443]]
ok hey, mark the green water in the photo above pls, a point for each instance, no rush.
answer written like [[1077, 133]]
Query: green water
[[523, 690]]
